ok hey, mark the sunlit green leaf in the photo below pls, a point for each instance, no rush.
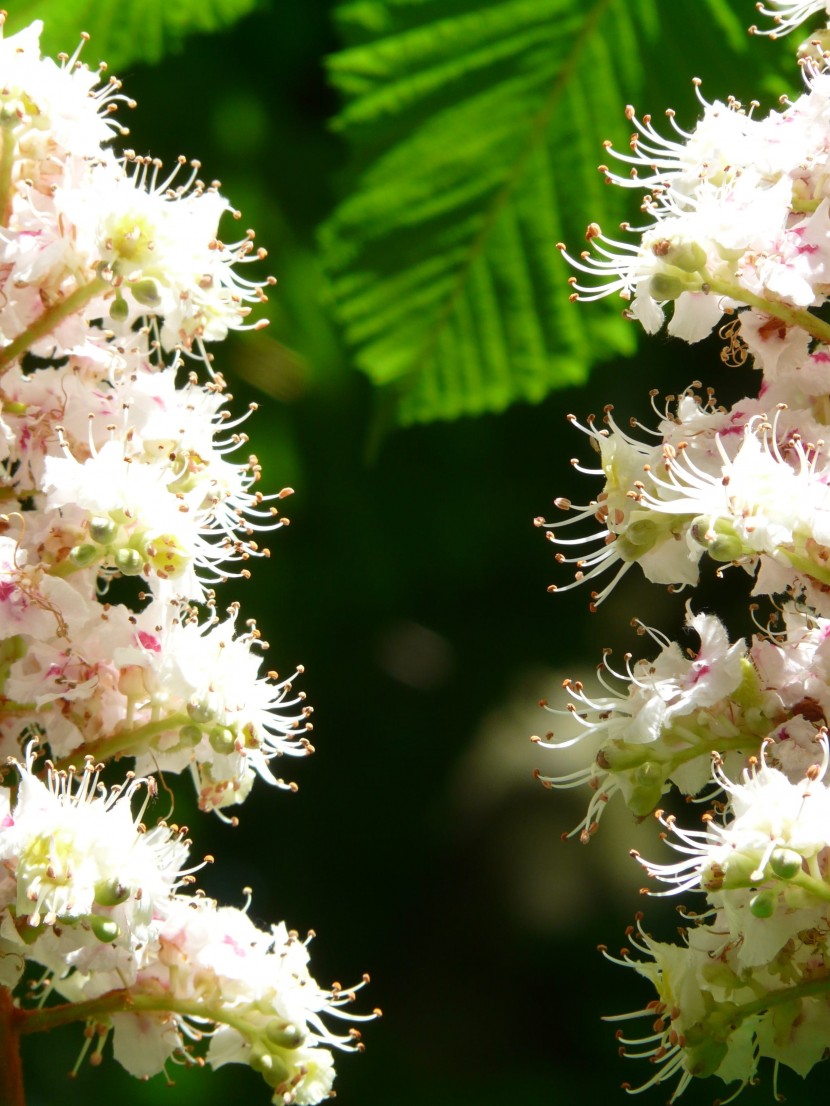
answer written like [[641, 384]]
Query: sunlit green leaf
[[125, 31], [475, 130]]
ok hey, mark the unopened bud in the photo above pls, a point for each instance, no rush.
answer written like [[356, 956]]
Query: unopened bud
[[129, 561], [119, 310], [643, 533], [111, 892], [273, 1069], [284, 1034], [146, 293], [688, 256], [105, 929], [763, 904], [718, 537], [726, 547], [102, 529], [664, 286], [205, 708], [84, 555], [190, 735], [785, 863], [221, 740]]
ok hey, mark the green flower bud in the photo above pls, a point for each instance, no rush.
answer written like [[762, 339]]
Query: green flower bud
[[664, 286], [221, 740], [105, 929], [271, 1067], [190, 735], [111, 892], [284, 1034], [129, 561], [643, 533], [84, 555], [688, 256], [763, 904], [785, 863], [102, 529], [205, 709], [146, 293], [704, 1058], [119, 309], [725, 548], [718, 537], [643, 800]]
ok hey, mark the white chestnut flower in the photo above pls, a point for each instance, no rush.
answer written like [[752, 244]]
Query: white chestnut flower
[[52, 111], [763, 864], [249, 991], [157, 239], [229, 721], [80, 857], [657, 723]]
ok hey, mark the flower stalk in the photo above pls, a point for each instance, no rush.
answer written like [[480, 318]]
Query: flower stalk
[[11, 1068], [50, 319]]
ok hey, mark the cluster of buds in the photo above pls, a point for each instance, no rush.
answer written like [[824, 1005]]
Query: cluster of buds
[[736, 237], [120, 476]]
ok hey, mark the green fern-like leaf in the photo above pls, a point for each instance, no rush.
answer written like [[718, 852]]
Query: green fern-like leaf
[[475, 129], [125, 31]]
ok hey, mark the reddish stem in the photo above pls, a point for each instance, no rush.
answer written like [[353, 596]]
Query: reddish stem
[[11, 1071]]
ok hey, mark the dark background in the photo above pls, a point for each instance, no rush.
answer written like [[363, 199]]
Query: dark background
[[412, 586]]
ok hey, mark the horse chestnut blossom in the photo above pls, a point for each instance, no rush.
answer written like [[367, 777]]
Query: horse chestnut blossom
[[740, 214], [741, 486], [120, 463], [736, 237]]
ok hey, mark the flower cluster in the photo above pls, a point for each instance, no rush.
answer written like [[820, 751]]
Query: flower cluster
[[123, 474], [99, 901], [736, 236]]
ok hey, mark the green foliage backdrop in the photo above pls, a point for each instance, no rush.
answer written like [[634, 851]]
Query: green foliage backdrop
[[475, 132], [126, 31]]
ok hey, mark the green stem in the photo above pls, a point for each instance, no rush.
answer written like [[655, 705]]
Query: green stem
[[792, 316], [134, 742], [6, 169], [816, 887], [65, 567], [787, 994], [11, 1071], [621, 756], [51, 317], [118, 1002]]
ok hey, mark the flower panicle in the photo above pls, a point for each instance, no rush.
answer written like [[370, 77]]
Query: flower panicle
[[123, 468], [734, 237]]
